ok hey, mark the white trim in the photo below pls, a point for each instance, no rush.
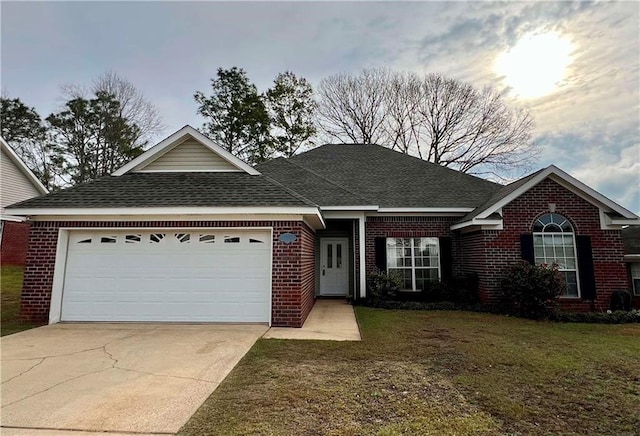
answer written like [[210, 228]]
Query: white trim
[[189, 171], [363, 259], [438, 210], [271, 281], [489, 224], [349, 208], [23, 167], [55, 307], [567, 181], [632, 258], [157, 150], [90, 211], [13, 218], [425, 209], [60, 266]]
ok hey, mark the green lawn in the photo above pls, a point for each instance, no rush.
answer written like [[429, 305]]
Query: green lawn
[[435, 373], [11, 287]]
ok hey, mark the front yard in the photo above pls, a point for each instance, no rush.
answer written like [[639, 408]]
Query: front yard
[[436, 373], [11, 285]]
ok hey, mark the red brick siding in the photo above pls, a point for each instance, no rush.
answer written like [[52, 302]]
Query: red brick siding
[[501, 248], [407, 227], [292, 281], [15, 240]]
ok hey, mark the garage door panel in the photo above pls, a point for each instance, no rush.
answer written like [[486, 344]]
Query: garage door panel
[[177, 278]]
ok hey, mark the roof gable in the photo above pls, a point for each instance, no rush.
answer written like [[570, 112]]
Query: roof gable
[[612, 214], [12, 156], [187, 150]]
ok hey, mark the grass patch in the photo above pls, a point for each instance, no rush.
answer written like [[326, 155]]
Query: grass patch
[[435, 373], [11, 288]]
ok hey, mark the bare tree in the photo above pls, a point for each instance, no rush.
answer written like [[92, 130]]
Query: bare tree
[[352, 108], [439, 119], [134, 107]]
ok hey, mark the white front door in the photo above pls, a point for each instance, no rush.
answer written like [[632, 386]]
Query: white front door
[[334, 266]]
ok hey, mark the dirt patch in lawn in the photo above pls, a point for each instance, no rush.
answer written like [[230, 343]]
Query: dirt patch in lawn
[[435, 373]]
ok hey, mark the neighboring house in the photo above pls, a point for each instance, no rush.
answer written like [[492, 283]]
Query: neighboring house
[[17, 183], [631, 238], [188, 232]]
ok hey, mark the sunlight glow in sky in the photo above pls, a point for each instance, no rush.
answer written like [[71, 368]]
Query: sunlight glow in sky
[[536, 65]]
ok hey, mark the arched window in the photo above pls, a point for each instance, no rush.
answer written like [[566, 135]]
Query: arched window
[[554, 242]]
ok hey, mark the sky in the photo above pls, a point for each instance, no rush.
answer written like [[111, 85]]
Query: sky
[[574, 65]]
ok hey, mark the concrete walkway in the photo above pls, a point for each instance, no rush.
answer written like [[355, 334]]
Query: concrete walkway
[[114, 378], [329, 320]]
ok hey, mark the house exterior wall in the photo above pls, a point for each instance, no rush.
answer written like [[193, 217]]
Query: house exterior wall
[[407, 227], [15, 185], [293, 274], [15, 239], [490, 252], [189, 156]]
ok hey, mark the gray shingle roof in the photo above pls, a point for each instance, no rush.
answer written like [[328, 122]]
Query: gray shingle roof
[[331, 175], [355, 174], [171, 190], [499, 195]]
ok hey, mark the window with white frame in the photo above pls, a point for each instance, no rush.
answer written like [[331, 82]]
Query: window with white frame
[[416, 260], [635, 277], [554, 242]]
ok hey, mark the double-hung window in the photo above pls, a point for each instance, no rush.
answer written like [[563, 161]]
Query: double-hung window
[[416, 260], [635, 278], [554, 242]]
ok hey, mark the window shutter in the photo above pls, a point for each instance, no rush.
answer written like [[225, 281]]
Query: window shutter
[[381, 253], [526, 247], [446, 258], [585, 267]]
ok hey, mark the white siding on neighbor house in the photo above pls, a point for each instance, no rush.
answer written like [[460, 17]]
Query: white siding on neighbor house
[[189, 156], [14, 184]]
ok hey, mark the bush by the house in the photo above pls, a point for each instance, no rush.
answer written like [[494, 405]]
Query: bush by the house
[[385, 289], [609, 317], [384, 285], [529, 290]]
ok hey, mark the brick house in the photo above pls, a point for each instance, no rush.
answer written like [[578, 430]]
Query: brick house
[[17, 183], [188, 232]]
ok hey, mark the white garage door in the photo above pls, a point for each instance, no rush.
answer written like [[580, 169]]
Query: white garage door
[[161, 275]]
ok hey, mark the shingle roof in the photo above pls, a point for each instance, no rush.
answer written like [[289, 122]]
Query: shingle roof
[[331, 175], [356, 174], [171, 190], [499, 195]]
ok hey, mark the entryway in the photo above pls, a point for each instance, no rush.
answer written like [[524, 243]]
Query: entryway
[[334, 267]]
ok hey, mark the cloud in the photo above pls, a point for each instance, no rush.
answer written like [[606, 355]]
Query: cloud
[[609, 162]]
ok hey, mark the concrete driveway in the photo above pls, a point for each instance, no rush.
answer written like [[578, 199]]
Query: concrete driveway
[[143, 378]]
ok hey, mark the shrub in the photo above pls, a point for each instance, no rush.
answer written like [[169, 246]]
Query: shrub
[[528, 289], [609, 317], [382, 284]]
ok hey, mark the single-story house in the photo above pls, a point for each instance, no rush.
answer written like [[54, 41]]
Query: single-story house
[[17, 183], [187, 232], [631, 239]]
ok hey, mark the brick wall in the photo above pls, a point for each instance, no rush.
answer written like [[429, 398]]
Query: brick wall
[[293, 278], [15, 240], [407, 227], [502, 248]]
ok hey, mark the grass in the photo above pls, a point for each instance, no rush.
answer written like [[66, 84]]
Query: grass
[[435, 373], [11, 288]]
